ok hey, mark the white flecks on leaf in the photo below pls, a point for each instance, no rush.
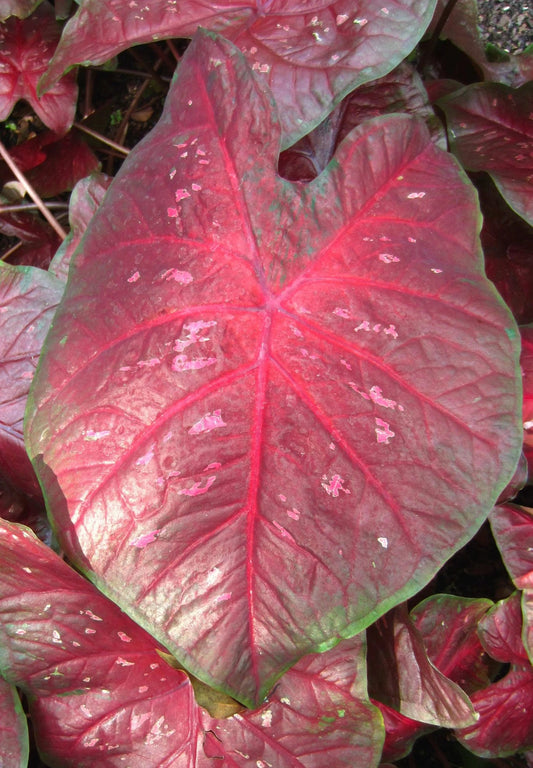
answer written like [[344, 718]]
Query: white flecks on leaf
[[383, 431], [383, 541], [146, 538], [333, 486], [207, 423]]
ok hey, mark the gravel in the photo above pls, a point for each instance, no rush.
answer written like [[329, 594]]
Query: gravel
[[507, 23]]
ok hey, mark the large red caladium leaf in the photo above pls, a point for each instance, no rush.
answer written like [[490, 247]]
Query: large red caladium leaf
[[491, 129], [250, 383], [99, 691], [504, 726], [310, 53], [28, 298], [512, 527], [14, 743], [26, 47]]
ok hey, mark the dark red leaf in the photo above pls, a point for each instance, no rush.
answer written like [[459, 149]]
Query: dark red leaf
[[512, 527], [52, 165], [400, 732], [505, 725], [26, 47], [448, 626], [99, 691], [399, 91], [40, 241], [310, 53], [28, 299], [490, 129], [401, 675], [507, 245], [251, 384]]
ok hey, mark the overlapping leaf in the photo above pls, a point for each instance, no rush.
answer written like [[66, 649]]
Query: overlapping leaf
[[28, 299], [491, 129], [509, 700], [310, 53], [20, 8], [100, 692], [402, 676], [14, 745], [512, 526], [399, 91], [236, 424], [26, 47]]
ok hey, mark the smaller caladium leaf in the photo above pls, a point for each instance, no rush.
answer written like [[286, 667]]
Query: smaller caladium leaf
[[38, 241], [526, 363], [401, 732], [317, 715], [28, 298], [448, 625], [311, 54], [505, 725], [401, 675], [85, 200], [14, 742], [512, 527], [99, 689], [26, 47], [491, 129], [399, 91], [52, 165], [87, 667], [20, 8], [507, 242]]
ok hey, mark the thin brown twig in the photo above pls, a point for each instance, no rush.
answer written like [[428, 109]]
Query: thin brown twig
[[103, 139], [32, 193], [18, 207], [11, 251], [173, 50]]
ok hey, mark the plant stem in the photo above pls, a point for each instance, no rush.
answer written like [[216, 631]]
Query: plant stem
[[103, 139]]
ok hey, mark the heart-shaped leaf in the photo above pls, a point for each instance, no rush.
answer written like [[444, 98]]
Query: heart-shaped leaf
[[491, 129], [251, 384], [26, 47], [99, 690], [310, 53]]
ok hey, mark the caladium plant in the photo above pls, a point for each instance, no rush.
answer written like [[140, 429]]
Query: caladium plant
[[260, 419]]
